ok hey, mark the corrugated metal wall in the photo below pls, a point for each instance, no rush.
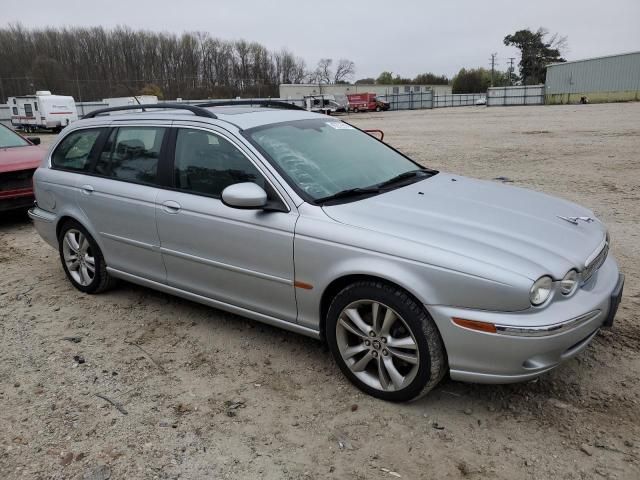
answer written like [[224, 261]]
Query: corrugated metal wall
[[517, 95], [613, 78], [457, 100]]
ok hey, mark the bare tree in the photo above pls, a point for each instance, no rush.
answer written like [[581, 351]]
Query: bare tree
[[322, 73], [344, 71], [94, 63]]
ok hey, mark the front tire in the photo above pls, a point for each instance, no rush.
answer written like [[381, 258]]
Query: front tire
[[385, 342], [82, 259]]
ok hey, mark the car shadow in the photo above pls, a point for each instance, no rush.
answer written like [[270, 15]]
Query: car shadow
[[447, 397], [13, 219]]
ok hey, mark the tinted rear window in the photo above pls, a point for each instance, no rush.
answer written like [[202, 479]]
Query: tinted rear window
[[132, 154], [74, 151]]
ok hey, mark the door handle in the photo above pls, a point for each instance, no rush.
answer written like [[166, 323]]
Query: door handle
[[87, 189], [171, 207]]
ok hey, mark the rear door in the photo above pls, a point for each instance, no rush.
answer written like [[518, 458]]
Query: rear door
[[239, 257], [118, 199]]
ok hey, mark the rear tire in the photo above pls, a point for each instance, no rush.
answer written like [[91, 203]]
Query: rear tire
[[385, 342], [82, 259]]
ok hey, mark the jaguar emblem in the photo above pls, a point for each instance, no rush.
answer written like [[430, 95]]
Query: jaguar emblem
[[576, 220]]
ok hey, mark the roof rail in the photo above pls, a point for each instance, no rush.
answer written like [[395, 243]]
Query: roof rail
[[262, 103], [198, 111]]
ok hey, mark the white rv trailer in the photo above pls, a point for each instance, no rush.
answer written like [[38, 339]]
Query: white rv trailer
[[42, 110], [326, 104]]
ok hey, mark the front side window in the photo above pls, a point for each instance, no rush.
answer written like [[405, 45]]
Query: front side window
[[206, 163], [323, 157], [74, 151], [14, 110], [131, 154]]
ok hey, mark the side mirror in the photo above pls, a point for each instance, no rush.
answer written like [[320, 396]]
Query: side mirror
[[245, 195], [34, 140]]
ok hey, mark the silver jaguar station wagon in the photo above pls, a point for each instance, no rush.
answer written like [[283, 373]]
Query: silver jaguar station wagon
[[305, 222]]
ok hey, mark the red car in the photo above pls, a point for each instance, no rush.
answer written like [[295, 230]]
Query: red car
[[19, 158]]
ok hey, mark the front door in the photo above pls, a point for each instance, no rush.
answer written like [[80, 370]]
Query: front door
[[239, 257]]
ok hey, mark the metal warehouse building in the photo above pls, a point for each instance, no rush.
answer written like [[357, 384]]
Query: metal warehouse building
[[299, 90], [614, 78]]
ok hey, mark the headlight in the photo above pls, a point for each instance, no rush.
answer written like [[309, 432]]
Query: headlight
[[541, 290], [569, 283]]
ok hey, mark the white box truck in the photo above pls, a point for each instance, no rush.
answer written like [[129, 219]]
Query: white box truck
[[122, 101], [42, 111]]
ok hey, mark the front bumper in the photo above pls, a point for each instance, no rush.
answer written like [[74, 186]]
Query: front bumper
[[17, 202], [530, 342]]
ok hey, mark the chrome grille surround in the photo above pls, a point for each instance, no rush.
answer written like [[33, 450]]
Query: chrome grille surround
[[595, 261]]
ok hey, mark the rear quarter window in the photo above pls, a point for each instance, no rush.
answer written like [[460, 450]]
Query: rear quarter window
[[74, 151]]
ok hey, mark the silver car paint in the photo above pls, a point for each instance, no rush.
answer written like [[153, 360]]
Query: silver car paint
[[124, 215], [461, 246], [217, 251], [244, 195]]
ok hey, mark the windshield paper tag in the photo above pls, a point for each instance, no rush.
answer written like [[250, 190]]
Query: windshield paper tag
[[339, 125]]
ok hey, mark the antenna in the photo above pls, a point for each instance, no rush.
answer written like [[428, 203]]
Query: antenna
[[133, 95]]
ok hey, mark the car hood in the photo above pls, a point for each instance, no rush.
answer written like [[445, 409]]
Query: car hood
[[503, 226], [21, 158]]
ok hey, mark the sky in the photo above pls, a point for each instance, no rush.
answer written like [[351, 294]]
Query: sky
[[406, 37]]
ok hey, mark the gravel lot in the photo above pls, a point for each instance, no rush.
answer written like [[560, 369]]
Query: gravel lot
[[204, 394]]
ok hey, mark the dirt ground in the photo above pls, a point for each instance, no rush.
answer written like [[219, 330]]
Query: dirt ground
[[200, 393]]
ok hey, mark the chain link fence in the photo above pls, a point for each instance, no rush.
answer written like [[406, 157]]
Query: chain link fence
[[497, 96]]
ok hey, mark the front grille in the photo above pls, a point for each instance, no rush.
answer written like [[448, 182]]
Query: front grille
[[16, 180], [595, 264]]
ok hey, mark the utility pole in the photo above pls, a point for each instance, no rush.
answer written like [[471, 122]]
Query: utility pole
[[493, 66], [79, 94], [511, 60]]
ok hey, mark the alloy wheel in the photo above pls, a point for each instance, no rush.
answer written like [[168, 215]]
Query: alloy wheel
[[377, 345], [78, 257]]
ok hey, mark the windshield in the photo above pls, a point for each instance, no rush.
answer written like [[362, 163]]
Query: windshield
[[323, 157], [8, 138]]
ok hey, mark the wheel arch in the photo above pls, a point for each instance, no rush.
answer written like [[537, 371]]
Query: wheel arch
[[68, 217], [61, 222], [336, 285]]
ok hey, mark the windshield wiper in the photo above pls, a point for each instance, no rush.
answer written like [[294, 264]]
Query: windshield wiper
[[404, 176], [350, 192], [379, 188]]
